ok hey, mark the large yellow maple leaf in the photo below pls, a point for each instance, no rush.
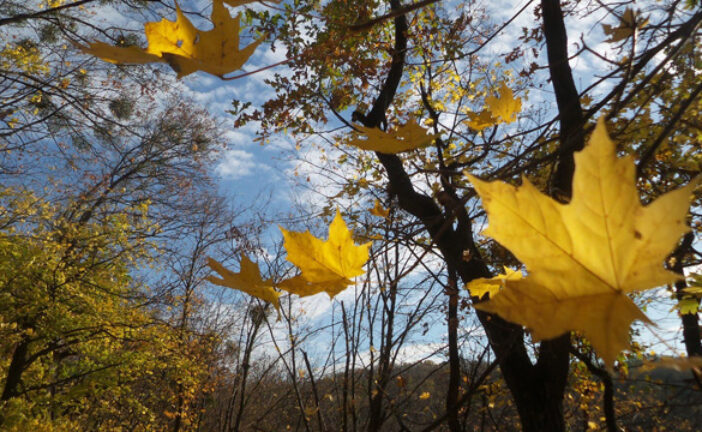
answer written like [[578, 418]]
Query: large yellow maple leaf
[[248, 280], [409, 136], [584, 257], [325, 265], [184, 47]]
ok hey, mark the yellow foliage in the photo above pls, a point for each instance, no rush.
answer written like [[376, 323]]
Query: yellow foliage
[[326, 265], [248, 280], [409, 136], [184, 47], [481, 120], [505, 107], [25, 59], [585, 256], [480, 287], [500, 109], [379, 210]]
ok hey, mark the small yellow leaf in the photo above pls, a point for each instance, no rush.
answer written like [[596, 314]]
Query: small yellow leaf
[[248, 280], [585, 256], [425, 395], [506, 106], [379, 210], [325, 265], [628, 23], [480, 287], [693, 290], [687, 306], [311, 410], [481, 120], [409, 136]]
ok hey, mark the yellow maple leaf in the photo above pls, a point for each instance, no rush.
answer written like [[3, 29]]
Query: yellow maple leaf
[[184, 47], [248, 280], [585, 256], [409, 136], [120, 55], [481, 120], [628, 23], [303, 288], [326, 265], [379, 210], [505, 107], [480, 287]]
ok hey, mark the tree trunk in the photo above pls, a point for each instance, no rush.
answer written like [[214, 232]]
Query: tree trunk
[[14, 372], [690, 322], [454, 361]]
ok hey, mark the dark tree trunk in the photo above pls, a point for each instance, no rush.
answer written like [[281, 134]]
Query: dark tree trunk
[[454, 363], [690, 322], [14, 372]]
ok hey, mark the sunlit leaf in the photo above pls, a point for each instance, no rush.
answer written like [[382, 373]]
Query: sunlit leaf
[[585, 256], [184, 47], [326, 265], [482, 286], [628, 23], [501, 109], [303, 288], [687, 306], [379, 210], [481, 120], [248, 280], [409, 136], [505, 107]]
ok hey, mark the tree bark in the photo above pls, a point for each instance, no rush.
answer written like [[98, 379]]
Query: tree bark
[[454, 361], [690, 322], [14, 372]]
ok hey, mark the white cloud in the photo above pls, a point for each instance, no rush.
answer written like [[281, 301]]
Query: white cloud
[[236, 164]]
